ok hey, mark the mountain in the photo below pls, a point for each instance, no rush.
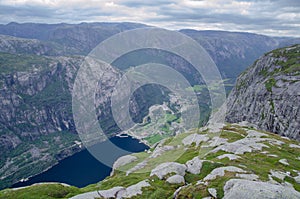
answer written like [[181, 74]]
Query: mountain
[[267, 93], [232, 52], [71, 38], [38, 64], [36, 124], [229, 161]]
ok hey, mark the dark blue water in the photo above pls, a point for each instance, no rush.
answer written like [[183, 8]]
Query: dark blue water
[[82, 168]]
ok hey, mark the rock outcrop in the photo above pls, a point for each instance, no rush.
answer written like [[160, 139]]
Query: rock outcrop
[[238, 188], [268, 94]]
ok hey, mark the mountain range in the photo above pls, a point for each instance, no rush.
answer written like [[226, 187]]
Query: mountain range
[[38, 64]]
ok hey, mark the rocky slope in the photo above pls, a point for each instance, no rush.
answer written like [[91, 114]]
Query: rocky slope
[[268, 94], [221, 161], [36, 122]]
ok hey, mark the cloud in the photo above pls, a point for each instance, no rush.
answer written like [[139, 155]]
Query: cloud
[[275, 17]]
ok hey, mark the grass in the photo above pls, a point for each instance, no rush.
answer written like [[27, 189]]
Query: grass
[[42, 191], [158, 189], [193, 192], [120, 179], [188, 155], [219, 183], [18, 62], [270, 84]]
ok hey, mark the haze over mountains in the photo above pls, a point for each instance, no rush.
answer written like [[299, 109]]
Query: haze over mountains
[[232, 51]]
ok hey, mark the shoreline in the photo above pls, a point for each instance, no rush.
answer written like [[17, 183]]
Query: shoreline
[[82, 148], [24, 180]]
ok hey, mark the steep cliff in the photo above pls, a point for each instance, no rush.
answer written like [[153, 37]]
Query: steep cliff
[[268, 94]]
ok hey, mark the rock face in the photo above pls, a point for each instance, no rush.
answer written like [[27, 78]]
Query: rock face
[[268, 94], [237, 188], [36, 107]]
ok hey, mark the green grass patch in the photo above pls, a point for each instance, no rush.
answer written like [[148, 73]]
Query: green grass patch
[[270, 84], [41, 191]]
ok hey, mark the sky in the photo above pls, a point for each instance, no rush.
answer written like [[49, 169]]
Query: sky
[[269, 17]]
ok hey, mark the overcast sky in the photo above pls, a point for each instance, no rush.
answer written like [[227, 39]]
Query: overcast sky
[[271, 17]]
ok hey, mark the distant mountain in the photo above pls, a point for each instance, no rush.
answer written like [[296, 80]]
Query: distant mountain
[[72, 38], [232, 52], [268, 94]]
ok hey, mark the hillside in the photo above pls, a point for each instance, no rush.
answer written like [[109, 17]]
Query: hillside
[[230, 161], [267, 94]]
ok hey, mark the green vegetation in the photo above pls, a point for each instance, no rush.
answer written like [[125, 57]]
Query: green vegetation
[[42, 191], [288, 59], [12, 63], [47, 146], [270, 83]]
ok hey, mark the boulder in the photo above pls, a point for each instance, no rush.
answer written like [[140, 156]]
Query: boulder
[[194, 166], [229, 156], [212, 192], [194, 138], [169, 167], [122, 161], [221, 172], [284, 162], [246, 189], [132, 190], [110, 193], [176, 179]]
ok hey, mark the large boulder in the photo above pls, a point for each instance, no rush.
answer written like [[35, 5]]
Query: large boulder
[[169, 167], [122, 161], [246, 189]]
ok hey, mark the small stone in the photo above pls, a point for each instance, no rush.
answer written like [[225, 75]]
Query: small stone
[[212, 192], [294, 146], [284, 162], [229, 156]]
